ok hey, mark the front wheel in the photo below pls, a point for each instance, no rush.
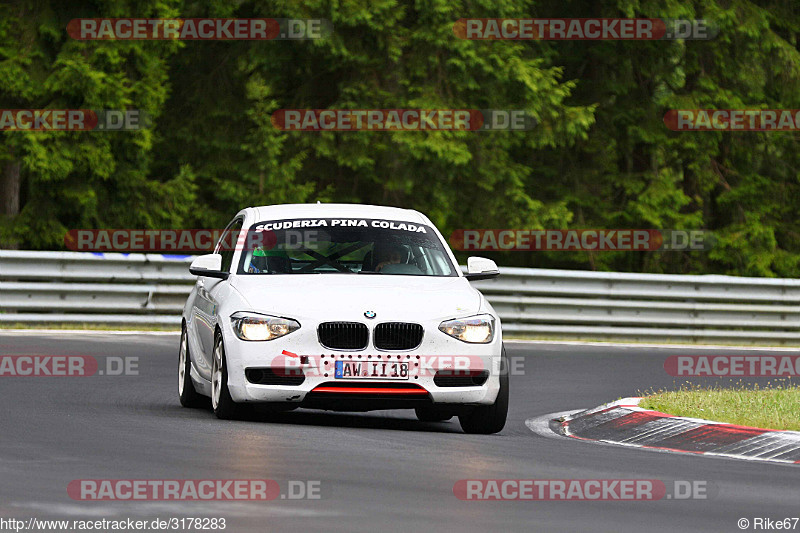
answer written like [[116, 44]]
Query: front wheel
[[186, 391], [222, 403], [487, 419]]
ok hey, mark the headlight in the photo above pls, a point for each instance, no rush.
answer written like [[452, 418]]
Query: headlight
[[477, 329], [254, 327]]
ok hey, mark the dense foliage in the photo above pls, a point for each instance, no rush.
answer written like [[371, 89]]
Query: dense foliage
[[601, 156]]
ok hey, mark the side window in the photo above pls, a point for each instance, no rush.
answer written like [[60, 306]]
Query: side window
[[227, 243]]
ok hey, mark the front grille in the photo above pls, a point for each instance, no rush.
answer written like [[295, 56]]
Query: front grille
[[267, 376], [343, 335], [397, 336], [357, 396], [460, 378]]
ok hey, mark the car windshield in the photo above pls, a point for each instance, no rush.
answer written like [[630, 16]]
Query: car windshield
[[346, 246]]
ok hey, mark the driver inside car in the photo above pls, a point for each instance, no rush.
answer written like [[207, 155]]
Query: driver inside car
[[391, 255], [269, 262]]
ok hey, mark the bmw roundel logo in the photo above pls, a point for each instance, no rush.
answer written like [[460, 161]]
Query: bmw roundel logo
[[370, 314]]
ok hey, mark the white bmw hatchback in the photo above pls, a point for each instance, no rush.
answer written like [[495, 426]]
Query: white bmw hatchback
[[342, 307]]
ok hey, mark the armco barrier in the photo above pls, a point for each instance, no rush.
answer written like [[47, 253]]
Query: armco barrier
[[69, 287]]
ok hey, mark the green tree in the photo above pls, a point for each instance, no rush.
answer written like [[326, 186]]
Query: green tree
[[382, 55], [82, 179]]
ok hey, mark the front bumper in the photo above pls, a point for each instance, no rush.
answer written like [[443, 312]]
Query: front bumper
[[437, 352]]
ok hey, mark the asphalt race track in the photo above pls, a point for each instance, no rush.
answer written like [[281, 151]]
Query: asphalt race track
[[380, 471]]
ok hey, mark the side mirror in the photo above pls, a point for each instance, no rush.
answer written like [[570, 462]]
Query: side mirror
[[481, 268], [209, 265]]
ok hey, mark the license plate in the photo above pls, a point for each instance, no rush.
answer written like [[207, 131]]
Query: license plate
[[371, 370]]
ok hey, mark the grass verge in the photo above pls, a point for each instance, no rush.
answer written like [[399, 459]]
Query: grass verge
[[775, 406]]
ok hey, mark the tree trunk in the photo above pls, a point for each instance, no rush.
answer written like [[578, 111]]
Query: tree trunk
[[9, 195]]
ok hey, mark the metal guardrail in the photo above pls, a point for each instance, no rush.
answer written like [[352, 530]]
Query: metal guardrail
[[70, 287], [614, 305]]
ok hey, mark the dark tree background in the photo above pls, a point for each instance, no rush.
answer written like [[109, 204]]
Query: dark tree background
[[601, 156]]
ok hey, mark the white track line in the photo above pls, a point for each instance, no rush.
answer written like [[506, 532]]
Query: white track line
[[84, 332], [665, 346]]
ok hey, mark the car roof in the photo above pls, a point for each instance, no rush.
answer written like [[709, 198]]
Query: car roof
[[290, 211]]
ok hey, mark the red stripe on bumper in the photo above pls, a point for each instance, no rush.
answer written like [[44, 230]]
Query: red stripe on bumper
[[369, 390]]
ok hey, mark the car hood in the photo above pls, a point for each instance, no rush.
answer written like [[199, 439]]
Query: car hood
[[324, 297]]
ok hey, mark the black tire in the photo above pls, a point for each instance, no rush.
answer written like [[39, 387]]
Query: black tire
[[431, 414], [186, 392], [488, 419], [223, 405]]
